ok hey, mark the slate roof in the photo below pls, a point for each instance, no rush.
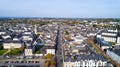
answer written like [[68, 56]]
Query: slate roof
[[116, 51]]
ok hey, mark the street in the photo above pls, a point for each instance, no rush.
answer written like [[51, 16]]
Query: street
[[59, 44]]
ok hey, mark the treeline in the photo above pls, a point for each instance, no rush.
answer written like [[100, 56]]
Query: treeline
[[26, 21], [108, 20], [107, 26]]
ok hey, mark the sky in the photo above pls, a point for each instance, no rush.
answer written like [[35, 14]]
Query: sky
[[60, 8]]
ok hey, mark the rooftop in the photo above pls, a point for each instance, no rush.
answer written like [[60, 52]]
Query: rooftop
[[91, 56], [116, 51]]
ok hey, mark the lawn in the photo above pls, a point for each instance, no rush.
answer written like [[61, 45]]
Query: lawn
[[2, 51], [15, 52]]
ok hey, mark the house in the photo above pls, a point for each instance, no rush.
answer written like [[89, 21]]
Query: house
[[28, 32], [29, 48], [80, 49], [78, 39], [17, 29], [28, 43], [49, 42], [2, 32], [27, 37], [50, 49], [5, 36], [39, 30], [15, 38]]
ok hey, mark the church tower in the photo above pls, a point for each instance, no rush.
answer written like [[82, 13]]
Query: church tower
[[35, 29]]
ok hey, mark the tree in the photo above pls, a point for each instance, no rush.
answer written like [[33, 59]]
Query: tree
[[52, 62], [107, 26], [52, 65], [49, 56], [118, 27], [22, 48], [47, 64], [66, 32], [1, 47], [94, 25]]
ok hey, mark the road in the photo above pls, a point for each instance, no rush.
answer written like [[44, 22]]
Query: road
[[58, 48]]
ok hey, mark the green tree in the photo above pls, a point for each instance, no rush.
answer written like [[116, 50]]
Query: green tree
[[1, 47], [107, 26], [66, 32], [94, 25], [118, 27]]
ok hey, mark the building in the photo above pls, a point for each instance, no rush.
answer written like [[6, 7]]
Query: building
[[86, 63], [28, 51], [114, 54], [5, 36], [109, 35], [39, 41], [80, 49], [84, 56], [2, 32], [40, 31], [85, 60], [49, 42], [11, 44], [78, 39], [27, 37], [118, 38], [102, 43], [49, 50]]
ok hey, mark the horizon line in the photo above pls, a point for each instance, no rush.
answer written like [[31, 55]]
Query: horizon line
[[61, 17]]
